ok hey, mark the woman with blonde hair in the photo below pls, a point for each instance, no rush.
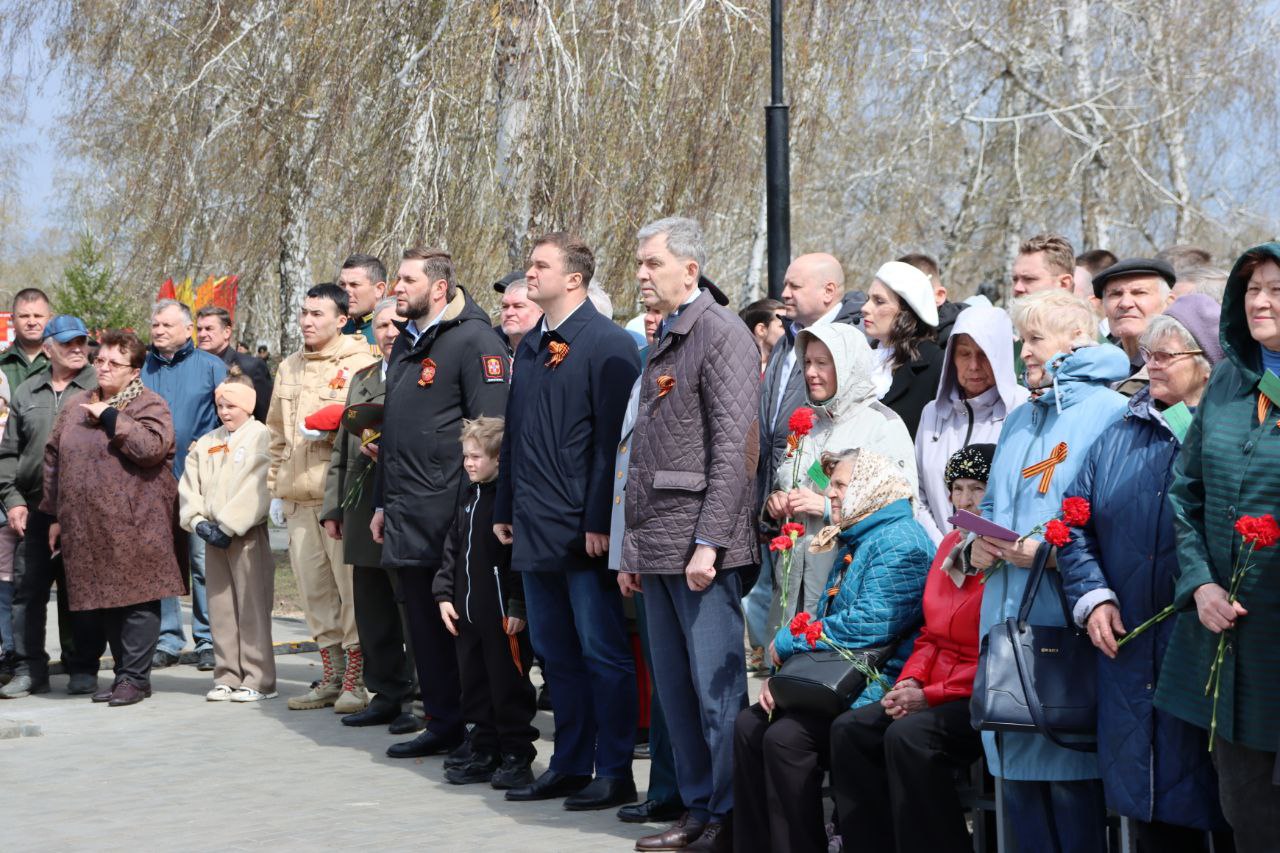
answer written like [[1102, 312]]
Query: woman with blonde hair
[[1052, 793]]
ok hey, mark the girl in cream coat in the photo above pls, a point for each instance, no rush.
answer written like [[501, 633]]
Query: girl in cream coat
[[224, 501]]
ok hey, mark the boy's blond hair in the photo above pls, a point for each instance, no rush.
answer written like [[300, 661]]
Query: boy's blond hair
[[486, 432]]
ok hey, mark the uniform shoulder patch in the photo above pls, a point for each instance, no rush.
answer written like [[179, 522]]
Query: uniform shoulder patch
[[494, 368]]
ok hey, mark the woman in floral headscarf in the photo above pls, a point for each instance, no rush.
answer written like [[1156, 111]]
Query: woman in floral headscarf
[[872, 597]]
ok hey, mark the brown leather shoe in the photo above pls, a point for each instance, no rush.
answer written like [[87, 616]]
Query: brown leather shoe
[[126, 693], [715, 838], [683, 832], [104, 695]]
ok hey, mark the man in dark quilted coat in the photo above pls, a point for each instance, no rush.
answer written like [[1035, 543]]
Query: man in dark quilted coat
[[690, 536]]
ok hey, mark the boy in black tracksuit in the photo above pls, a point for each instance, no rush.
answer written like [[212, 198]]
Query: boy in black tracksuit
[[483, 606]]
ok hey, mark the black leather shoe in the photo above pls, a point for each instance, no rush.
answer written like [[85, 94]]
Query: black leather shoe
[[427, 743], [406, 724], [514, 773], [162, 659], [82, 684], [205, 661], [715, 838], [460, 754], [602, 793], [374, 715], [651, 811], [549, 786]]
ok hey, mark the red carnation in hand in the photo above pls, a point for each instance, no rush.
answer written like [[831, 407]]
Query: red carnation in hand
[[802, 421], [1056, 533], [813, 633], [1075, 511], [1258, 531], [791, 528], [780, 543], [799, 624]]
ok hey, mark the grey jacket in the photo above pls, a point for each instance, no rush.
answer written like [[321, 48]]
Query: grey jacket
[[695, 447], [31, 415]]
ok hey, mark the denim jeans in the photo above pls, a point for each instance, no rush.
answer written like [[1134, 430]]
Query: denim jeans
[[700, 672], [755, 604], [577, 625], [1057, 817], [173, 637]]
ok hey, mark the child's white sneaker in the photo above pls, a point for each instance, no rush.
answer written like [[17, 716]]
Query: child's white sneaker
[[219, 693], [248, 694]]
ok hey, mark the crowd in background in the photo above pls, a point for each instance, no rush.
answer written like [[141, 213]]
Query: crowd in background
[[466, 501]]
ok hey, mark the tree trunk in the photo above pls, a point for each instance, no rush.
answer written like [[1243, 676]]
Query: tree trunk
[[1093, 196], [511, 80], [295, 236]]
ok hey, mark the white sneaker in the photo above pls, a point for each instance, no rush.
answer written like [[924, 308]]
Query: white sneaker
[[219, 693], [248, 694]]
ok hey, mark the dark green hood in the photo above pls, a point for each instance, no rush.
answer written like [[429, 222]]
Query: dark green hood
[[1240, 347]]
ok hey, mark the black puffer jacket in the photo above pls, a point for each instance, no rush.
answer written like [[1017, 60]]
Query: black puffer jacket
[[457, 369]]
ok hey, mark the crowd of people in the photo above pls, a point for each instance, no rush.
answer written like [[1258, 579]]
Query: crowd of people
[[877, 483]]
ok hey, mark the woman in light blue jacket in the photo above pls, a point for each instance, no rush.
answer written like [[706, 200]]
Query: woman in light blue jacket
[[1053, 794]]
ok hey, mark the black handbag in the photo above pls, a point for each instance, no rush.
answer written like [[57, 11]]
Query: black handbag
[[822, 681], [1037, 678]]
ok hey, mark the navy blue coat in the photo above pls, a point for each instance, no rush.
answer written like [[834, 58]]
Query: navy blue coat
[[555, 481], [186, 381], [1154, 766]]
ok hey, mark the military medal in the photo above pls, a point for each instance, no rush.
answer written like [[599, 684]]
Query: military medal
[[428, 374]]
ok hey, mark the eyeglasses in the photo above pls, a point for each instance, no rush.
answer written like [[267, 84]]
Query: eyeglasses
[[103, 364], [1160, 359]]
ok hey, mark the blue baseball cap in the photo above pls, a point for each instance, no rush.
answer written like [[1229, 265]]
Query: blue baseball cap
[[64, 328]]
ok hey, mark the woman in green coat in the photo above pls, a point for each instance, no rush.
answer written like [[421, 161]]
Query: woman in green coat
[[1230, 467]]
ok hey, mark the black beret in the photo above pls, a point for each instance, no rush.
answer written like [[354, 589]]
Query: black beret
[[507, 280], [1130, 267]]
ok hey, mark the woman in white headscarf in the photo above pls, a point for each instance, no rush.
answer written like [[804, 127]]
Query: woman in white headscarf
[[838, 366]]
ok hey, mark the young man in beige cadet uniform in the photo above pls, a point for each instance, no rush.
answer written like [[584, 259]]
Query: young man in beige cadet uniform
[[309, 380]]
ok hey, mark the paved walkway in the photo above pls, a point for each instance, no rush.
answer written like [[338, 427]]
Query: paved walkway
[[179, 773]]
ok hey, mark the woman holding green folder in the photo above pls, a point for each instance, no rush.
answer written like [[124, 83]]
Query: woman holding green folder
[[1119, 571]]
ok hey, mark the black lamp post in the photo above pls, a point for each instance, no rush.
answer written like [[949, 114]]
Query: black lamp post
[[777, 161]]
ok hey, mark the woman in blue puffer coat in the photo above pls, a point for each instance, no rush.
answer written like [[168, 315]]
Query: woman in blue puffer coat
[[1120, 570], [1052, 793]]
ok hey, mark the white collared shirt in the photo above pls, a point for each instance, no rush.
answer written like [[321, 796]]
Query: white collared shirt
[[543, 328]]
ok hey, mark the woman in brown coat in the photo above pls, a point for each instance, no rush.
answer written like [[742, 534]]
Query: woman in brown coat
[[107, 480]]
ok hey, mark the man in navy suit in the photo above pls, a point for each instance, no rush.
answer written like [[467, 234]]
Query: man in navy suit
[[571, 379]]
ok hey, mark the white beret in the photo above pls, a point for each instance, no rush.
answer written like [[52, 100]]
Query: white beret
[[913, 287]]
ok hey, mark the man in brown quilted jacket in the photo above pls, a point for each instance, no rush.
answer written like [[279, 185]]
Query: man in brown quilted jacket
[[689, 532]]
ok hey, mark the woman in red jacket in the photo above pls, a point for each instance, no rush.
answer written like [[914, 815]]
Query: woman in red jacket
[[897, 757]]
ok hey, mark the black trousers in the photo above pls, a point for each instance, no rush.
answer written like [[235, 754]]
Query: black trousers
[[133, 631], [35, 571], [387, 671], [777, 782], [496, 695], [433, 653], [894, 781], [1250, 802], [1159, 837]]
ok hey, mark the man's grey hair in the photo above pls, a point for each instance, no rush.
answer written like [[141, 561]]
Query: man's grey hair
[[383, 305], [684, 238], [1163, 326], [165, 304], [1210, 281]]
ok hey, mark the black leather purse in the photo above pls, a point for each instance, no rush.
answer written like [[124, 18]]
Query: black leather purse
[[1037, 678], [822, 681]]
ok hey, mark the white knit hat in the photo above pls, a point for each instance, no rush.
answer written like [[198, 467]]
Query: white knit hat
[[913, 287]]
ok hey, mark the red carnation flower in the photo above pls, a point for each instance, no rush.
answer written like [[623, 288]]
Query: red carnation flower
[[780, 543], [1075, 511], [1258, 531], [813, 633], [1056, 533], [802, 421], [799, 624], [792, 527]]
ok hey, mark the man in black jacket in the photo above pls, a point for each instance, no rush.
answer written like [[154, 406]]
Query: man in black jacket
[[572, 376], [213, 335], [448, 364]]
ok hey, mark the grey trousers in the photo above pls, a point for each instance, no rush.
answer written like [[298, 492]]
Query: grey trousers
[[699, 671]]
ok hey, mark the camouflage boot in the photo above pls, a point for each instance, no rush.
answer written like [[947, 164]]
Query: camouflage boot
[[325, 691], [354, 697]]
